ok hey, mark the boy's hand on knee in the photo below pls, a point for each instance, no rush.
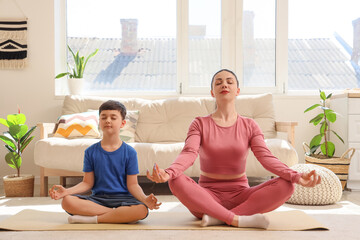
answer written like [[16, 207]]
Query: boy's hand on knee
[[152, 202], [57, 192]]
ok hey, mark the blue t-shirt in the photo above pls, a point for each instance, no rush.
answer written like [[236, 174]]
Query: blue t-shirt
[[110, 168]]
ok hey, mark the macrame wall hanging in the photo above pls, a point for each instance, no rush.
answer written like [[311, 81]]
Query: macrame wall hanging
[[13, 42]]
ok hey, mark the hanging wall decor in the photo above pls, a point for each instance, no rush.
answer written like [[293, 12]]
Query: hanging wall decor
[[13, 43]]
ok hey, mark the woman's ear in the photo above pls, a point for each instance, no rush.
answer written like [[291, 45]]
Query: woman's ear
[[212, 93], [237, 91]]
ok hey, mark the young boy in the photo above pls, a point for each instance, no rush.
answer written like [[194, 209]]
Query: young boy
[[111, 170]]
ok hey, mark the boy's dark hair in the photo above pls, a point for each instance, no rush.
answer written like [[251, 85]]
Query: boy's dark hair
[[226, 70], [113, 105]]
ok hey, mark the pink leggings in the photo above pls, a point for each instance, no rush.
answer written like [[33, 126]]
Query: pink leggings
[[222, 199]]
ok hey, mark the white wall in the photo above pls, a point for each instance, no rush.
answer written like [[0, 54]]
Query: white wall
[[33, 87]]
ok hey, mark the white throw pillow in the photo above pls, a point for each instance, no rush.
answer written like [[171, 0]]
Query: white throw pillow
[[127, 133]]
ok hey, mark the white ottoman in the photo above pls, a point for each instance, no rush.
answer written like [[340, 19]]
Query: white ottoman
[[329, 191]]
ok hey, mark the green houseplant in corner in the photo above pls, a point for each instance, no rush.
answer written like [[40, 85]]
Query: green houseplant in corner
[[76, 72], [16, 139], [321, 150]]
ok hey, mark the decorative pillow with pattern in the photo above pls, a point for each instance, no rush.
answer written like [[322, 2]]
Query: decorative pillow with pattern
[[78, 125], [127, 133]]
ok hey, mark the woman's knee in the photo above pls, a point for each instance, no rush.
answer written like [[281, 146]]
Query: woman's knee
[[178, 183], [287, 187]]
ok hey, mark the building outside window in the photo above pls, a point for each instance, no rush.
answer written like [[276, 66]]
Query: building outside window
[[175, 46], [324, 44]]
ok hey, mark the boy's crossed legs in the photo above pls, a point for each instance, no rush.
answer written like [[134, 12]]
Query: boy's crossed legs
[[87, 211]]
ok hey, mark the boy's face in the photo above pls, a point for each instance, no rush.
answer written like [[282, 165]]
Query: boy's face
[[111, 121]]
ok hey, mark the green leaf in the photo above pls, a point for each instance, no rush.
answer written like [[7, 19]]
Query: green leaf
[[27, 134], [322, 95], [90, 56], [316, 120], [330, 115], [330, 149], [329, 96], [11, 119], [313, 149], [4, 122], [312, 107], [21, 118], [18, 131], [8, 141], [72, 53], [62, 75], [80, 63], [324, 127], [338, 136], [26, 143], [316, 140], [15, 119], [13, 160], [9, 148], [8, 135]]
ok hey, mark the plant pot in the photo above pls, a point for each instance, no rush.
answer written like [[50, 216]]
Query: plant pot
[[76, 85], [22, 186], [339, 165]]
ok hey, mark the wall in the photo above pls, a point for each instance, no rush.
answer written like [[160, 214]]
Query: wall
[[33, 87]]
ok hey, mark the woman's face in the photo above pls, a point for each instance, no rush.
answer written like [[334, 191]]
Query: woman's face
[[225, 86]]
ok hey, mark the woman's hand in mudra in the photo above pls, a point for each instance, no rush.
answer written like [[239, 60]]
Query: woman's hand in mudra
[[158, 175], [310, 179]]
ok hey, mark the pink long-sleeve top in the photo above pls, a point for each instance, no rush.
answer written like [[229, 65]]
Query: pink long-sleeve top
[[223, 150]]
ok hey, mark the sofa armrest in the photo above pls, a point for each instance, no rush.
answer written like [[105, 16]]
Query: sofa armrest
[[46, 129], [289, 128]]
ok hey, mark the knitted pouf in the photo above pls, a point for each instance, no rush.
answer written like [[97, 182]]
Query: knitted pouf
[[329, 191]]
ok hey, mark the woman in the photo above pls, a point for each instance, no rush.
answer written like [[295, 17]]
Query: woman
[[222, 140]]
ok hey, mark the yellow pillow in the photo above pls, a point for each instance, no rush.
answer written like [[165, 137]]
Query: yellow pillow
[[78, 125]]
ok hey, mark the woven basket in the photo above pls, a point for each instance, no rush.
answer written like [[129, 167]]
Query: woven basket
[[22, 186], [339, 165]]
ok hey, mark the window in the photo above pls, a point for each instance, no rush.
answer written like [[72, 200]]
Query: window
[[258, 43], [204, 37], [323, 51], [175, 46], [136, 41]]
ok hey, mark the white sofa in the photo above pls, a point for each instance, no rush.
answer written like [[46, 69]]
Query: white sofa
[[160, 133]]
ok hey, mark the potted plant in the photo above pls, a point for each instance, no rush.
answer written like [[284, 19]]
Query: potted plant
[[321, 150], [16, 139], [76, 73]]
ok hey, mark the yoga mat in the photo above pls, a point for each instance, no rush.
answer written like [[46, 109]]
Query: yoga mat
[[34, 220]]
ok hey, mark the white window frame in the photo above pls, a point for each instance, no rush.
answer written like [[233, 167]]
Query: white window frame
[[231, 50]]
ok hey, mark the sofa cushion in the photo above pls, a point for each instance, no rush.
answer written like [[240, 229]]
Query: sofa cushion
[[168, 120], [280, 148], [69, 155]]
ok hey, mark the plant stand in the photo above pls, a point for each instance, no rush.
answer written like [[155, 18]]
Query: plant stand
[[339, 165], [22, 186]]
